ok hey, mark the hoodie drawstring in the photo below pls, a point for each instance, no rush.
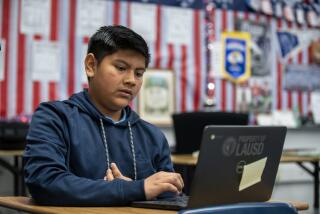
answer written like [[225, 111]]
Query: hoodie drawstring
[[131, 145]]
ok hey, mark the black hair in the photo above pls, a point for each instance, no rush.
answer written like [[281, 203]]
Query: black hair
[[109, 39]]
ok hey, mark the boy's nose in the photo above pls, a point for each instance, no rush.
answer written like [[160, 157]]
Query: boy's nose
[[130, 78]]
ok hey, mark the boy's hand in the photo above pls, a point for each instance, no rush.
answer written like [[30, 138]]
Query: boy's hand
[[162, 182], [114, 172]]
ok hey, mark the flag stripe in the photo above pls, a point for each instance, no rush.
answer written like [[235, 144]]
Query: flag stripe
[[197, 61], [21, 66], [116, 12], [72, 40], [5, 34], [170, 56], [183, 77], [54, 37], [158, 38]]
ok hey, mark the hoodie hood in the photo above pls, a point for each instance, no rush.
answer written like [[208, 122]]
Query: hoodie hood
[[83, 101]]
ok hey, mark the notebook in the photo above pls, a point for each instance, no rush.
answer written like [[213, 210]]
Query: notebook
[[235, 164]]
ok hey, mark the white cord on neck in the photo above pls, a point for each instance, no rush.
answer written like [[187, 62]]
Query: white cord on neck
[[105, 143], [131, 145], [133, 152]]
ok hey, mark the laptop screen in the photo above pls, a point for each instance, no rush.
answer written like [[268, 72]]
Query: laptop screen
[[188, 127]]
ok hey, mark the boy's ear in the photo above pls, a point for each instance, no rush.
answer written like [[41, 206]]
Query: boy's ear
[[90, 65]]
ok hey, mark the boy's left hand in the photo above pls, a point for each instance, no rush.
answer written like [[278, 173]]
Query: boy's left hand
[[113, 173]]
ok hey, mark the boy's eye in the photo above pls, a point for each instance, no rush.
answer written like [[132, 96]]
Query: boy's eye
[[120, 68], [139, 73]]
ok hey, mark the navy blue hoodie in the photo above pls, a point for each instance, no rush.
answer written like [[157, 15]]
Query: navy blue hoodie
[[65, 159]]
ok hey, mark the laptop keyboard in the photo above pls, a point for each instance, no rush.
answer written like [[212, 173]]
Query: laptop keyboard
[[179, 201], [174, 203]]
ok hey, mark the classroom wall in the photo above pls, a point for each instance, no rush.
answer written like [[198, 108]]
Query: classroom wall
[[65, 26], [66, 33]]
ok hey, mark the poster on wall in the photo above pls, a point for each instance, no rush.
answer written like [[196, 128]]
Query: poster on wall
[[46, 61], [91, 16], [302, 77], [261, 101], [157, 97], [255, 96], [146, 14], [35, 17], [2, 54], [236, 56], [260, 45], [243, 98], [178, 28]]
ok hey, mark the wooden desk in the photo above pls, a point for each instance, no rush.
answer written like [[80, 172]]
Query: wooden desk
[[16, 169], [25, 204], [189, 160]]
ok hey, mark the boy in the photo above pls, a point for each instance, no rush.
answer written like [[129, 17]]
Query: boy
[[92, 149]]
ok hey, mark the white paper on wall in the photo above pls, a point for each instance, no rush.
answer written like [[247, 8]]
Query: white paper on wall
[[315, 106], [91, 16], [2, 55], [216, 59], [143, 20], [46, 61], [180, 25], [35, 17]]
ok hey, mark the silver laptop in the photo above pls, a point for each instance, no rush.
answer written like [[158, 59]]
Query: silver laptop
[[235, 164]]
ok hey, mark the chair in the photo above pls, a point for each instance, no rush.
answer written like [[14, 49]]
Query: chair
[[188, 127], [245, 208]]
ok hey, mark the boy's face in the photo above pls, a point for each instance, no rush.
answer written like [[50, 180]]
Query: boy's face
[[116, 80]]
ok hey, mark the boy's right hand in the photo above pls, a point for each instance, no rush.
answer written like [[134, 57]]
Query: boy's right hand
[[161, 182]]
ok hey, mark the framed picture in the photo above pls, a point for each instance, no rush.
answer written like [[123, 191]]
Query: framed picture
[[157, 96]]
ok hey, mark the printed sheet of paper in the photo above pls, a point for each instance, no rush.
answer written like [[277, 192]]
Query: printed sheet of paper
[[180, 25], [143, 20], [46, 61], [216, 59], [285, 118], [2, 54], [91, 16], [315, 106], [252, 173], [35, 17]]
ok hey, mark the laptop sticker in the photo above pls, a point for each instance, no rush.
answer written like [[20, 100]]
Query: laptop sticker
[[252, 173]]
